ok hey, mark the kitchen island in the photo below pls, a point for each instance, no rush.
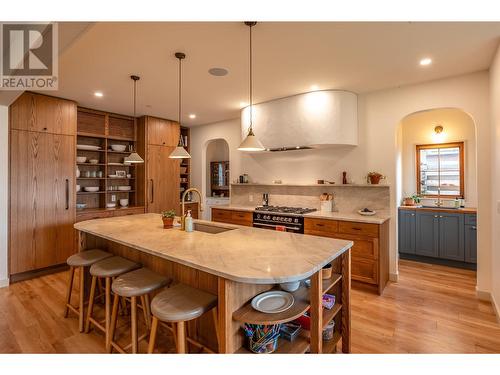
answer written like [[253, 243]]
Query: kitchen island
[[236, 263]]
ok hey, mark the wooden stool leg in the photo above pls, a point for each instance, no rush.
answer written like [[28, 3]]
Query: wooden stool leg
[[123, 304], [107, 301], [112, 329], [145, 312], [68, 292], [91, 304], [148, 310], [152, 335], [82, 296], [133, 308], [216, 324], [181, 337], [101, 290]]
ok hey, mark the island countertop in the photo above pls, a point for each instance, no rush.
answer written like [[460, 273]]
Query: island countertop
[[242, 254]]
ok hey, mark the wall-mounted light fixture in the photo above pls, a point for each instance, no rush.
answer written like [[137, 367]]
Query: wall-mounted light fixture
[[438, 135]]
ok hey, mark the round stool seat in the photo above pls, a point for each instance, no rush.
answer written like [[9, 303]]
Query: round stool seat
[[87, 258], [181, 303], [113, 266], [137, 283]]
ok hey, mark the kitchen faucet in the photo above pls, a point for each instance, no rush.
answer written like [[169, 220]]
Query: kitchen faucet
[[183, 216]]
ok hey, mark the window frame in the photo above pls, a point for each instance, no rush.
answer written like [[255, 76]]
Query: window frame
[[460, 146]]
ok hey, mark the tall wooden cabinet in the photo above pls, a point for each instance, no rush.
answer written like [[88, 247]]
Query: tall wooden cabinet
[[156, 139], [42, 182]]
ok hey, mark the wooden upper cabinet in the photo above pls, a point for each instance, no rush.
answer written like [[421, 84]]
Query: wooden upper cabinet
[[162, 132], [41, 113]]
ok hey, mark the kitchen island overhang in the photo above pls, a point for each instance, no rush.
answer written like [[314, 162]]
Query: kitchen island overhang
[[235, 264]]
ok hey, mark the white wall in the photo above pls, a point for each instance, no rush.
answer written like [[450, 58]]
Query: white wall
[[380, 115], [495, 171], [418, 129], [4, 203]]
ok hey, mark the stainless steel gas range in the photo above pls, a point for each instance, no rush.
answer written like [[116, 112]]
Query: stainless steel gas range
[[286, 219]]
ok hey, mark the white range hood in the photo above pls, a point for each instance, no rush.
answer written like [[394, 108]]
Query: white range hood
[[316, 119]]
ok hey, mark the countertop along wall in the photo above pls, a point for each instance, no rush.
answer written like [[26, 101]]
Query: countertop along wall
[[4, 194], [380, 115]]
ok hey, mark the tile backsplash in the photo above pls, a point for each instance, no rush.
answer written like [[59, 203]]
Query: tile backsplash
[[346, 198]]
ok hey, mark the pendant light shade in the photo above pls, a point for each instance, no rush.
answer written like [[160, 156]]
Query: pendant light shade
[[134, 157], [251, 143], [180, 152]]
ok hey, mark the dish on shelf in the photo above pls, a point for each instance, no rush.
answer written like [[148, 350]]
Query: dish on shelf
[[93, 161], [291, 286], [91, 189], [81, 159], [119, 148], [367, 212], [78, 188], [88, 147], [110, 205], [273, 302], [124, 202], [81, 206], [124, 188]]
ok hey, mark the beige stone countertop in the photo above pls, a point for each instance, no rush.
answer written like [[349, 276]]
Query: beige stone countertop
[[379, 218], [243, 254]]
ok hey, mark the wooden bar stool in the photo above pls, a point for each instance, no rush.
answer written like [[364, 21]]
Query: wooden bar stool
[[178, 305], [81, 260], [138, 283], [106, 269]]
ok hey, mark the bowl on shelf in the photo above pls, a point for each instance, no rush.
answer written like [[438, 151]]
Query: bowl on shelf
[[78, 188], [81, 159], [81, 206], [124, 188], [111, 205], [291, 286], [119, 148], [91, 189], [124, 202], [93, 161]]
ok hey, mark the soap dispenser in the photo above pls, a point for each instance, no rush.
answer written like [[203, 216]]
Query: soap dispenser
[[188, 225]]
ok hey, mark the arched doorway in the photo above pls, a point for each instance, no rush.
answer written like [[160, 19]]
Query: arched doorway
[[216, 175]]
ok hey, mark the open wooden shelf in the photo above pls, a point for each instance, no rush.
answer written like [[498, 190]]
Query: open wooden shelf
[[90, 164], [247, 314], [328, 315], [91, 178], [298, 346], [330, 282], [89, 192], [329, 346]]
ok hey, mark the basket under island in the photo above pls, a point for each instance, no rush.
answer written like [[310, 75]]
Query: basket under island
[[237, 263]]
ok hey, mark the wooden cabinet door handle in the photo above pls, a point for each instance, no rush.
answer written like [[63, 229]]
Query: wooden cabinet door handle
[[354, 228], [152, 190], [67, 194]]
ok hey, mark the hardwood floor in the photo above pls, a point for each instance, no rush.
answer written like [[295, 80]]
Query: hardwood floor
[[432, 309]]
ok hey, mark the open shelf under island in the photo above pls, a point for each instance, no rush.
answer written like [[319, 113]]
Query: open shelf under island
[[237, 264]]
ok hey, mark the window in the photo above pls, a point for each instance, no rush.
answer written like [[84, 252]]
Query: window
[[440, 170]]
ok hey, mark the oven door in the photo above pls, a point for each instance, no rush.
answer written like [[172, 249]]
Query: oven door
[[278, 227]]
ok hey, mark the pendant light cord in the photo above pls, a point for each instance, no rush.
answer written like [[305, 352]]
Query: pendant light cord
[[135, 94], [180, 89], [251, 91]]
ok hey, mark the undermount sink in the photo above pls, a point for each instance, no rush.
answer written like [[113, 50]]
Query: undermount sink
[[208, 228]]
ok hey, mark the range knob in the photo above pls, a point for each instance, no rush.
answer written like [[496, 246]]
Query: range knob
[[258, 216], [296, 220], [289, 220], [275, 218]]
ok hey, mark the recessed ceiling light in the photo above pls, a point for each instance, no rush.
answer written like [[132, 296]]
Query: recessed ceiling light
[[218, 72], [314, 87], [192, 115], [98, 94], [426, 61]]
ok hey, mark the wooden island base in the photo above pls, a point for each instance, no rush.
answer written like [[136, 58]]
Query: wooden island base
[[234, 296]]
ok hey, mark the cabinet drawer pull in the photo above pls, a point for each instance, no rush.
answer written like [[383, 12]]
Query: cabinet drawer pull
[[320, 225], [152, 191], [412, 214], [435, 216], [474, 228], [67, 194], [354, 228]]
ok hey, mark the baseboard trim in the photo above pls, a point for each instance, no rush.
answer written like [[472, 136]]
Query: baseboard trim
[[483, 295], [4, 283], [495, 307], [394, 277]]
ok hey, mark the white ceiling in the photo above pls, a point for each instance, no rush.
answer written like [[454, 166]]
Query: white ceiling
[[288, 59]]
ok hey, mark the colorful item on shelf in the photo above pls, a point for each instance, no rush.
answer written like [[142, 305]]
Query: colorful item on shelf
[[328, 331], [289, 331], [262, 338], [328, 301]]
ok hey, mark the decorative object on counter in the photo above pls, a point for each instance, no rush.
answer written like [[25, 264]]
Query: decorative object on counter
[[408, 201], [118, 148], [328, 301], [251, 142], [273, 302], [81, 159], [262, 339], [180, 151], [124, 202], [289, 331], [374, 178], [291, 286], [367, 212], [93, 161], [81, 206], [326, 202], [326, 272], [168, 219], [344, 178], [188, 222], [328, 331]]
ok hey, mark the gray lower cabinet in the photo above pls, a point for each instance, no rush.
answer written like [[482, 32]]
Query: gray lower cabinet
[[470, 243], [427, 234], [435, 234], [451, 236], [406, 231]]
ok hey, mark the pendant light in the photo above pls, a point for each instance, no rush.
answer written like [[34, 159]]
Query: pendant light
[[134, 157], [251, 142], [180, 152]]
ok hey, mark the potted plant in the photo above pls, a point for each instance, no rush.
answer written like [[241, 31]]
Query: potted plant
[[408, 201], [375, 177], [168, 218]]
